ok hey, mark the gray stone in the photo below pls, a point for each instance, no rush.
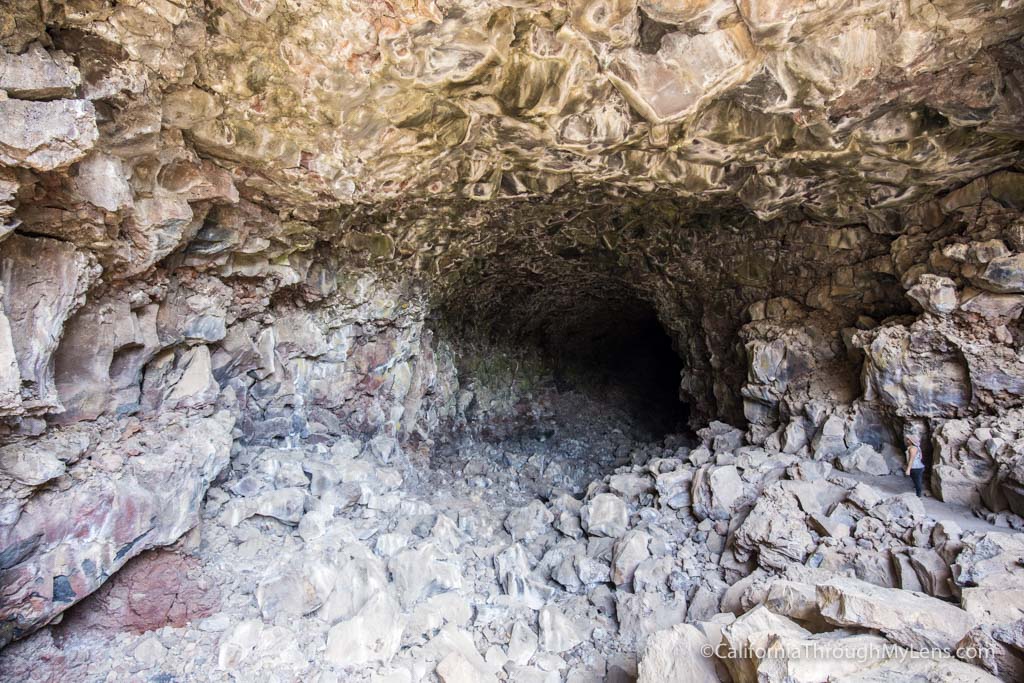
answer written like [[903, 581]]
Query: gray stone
[[373, 635], [527, 523], [913, 620], [715, 491], [558, 633], [605, 515], [45, 136], [629, 552], [677, 654], [38, 75], [935, 294]]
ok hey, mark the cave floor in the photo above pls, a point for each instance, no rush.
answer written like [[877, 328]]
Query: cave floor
[[362, 562], [419, 550], [962, 515]]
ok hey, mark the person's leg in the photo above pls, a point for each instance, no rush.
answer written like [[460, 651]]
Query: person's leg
[[917, 475]]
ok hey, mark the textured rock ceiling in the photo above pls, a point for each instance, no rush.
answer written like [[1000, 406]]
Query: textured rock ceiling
[[838, 108]]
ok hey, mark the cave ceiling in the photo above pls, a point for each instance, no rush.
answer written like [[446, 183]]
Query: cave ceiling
[[595, 145], [839, 109]]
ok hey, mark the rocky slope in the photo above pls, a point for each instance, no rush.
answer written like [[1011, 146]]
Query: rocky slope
[[244, 242], [487, 563]]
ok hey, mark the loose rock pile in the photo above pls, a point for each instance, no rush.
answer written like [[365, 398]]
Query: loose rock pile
[[356, 561]]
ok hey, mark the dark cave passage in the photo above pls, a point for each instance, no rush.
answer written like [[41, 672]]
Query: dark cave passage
[[586, 332], [629, 363]]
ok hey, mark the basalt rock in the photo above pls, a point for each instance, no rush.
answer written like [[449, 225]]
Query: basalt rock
[[234, 225]]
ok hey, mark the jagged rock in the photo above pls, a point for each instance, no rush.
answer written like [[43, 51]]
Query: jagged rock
[[674, 488], [750, 633], [358, 579], [37, 461], [918, 667], [932, 571], [421, 573], [56, 550], [798, 601], [38, 75], [1004, 275], [677, 654], [628, 553], [715, 491], [456, 669], [980, 648], [775, 531], [835, 655], [993, 606], [935, 294], [991, 560], [558, 633], [522, 644], [516, 579], [604, 515], [295, 592], [529, 522], [45, 136], [863, 460], [238, 644], [642, 614], [630, 486], [913, 620], [44, 281], [373, 635]]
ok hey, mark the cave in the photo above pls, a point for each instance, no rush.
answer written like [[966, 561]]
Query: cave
[[629, 361], [580, 324], [561, 340]]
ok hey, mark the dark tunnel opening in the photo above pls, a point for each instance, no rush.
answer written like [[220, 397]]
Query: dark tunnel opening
[[628, 361], [587, 332]]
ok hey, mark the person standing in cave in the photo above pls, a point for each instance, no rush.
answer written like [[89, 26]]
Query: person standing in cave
[[915, 464]]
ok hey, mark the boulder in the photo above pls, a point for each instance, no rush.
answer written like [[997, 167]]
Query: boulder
[[629, 551], [863, 460], [38, 75], [716, 491], [982, 648], [828, 656], [558, 633], [991, 560], [775, 531], [925, 667], [1004, 274], [527, 523], [674, 488], [749, 634], [914, 620], [45, 136], [516, 579], [605, 515], [935, 294], [373, 635], [297, 591], [419, 573], [680, 653], [455, 668], [642, 614]]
